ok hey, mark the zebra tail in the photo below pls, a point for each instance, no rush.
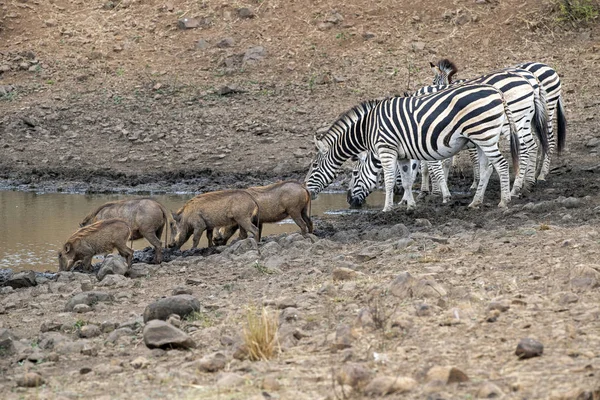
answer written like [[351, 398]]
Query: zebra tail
[[514, 139], [562, 125], [540, 118]]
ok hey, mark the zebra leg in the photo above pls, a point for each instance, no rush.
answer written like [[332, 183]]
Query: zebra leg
[[551, 142], [439, 178], [485, 171], [523, 163], [475, 162], [388, 160], [531, 149], [404, 167], [424, 180]]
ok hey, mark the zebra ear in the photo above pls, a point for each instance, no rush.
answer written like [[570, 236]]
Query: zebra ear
[[432, 65], [322, 147]]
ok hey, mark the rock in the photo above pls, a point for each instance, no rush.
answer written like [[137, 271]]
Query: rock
[[139, 271], [568, 298], [594, 142], [488, 390], [245, 12], [383, 234], [182, 305], [89, 331], [230, 380], [368, 35], [88, 298], [270, 249], [418, 46], [212, 362], [403, 285], [202, 44], [36, 357], [422, 222], [225, 42], [30, 379], [289, 314], [50, 326], [584, 277], [253, 55], [174, 320], [529, 348], [49, 23], [89, 349], [384, 385], [4, 68], [571, 202], [188, 23], [112, 265], [7, 339], [501, 306], [223, 91], [116, 281], [87, 286], [22, 280], [85, 370], [446, 375], [159, 334], [403, 243], [345, 274], [140, 363], [81, 308], [344, 337], [108, 326], [270, 384], [49, 340], [118, 333], [354, 375]]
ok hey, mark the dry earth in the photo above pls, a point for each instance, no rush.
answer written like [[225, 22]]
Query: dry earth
[[97, 95]]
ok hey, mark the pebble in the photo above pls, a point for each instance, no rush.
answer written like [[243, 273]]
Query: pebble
[[160, 334], [489, 390], [89, 331], [529, 348], [182, 305], [30, 379], [140, 363], [212, 362], [384, 385], [270, 383], [230, 380], [354, 375], [82, 308], [345, 274], [344, 337], [446, 375]]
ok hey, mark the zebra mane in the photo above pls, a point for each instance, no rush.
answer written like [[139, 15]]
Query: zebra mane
[[348, 118], [447, 67]]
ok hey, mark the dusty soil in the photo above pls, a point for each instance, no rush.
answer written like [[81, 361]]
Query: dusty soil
[[114, 95]]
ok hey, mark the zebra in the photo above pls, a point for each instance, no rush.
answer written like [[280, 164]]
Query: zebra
[[527, 104], [429, 127], [550, 82]]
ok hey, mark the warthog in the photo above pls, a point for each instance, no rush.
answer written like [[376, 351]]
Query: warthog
[[146, 217], [275, 202], [207, 211], [98, 238]]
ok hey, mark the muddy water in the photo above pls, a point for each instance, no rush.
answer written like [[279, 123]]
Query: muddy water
[[34, 226]]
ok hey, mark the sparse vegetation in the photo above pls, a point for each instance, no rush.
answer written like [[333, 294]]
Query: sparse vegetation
[[261, 334], [578, 11], [261, 268], [204, 319]]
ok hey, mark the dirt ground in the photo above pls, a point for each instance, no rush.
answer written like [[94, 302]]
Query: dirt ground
[[102, 96]]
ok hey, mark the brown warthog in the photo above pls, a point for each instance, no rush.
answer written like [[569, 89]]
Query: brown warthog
[[146, 217], [207, 211], [98, 238], [275, 202]]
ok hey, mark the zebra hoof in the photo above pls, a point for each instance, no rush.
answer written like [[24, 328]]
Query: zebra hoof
[[422, 195], [515, 195], [541, 177], [387, 209], [445, 200], [502, 204], [474, 205]]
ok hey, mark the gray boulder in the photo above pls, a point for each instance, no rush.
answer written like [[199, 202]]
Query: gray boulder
[[7, 339], [159, 334], [112, 265], [22, 280], [87, 298], [182, 305]]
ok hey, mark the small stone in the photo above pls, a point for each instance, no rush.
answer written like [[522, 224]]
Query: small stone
[[89, 350], [446, 375], [225, 90], [36, 356], [89, 331], [181, 290], [212, 362], [384, 385], [50, 326], [345, 274], [422, 222], [4, 68], [159, 334], [85, 370], [344, 337], [594, 142], [22, 280], [245, 12], [49, 23], [501, 306], [270, 384], [140, 363], [571, 202], [7, 341], [253, 55], [182, 305], [418, 46], [230, 380], [568, 298], [403, 285], [81, 308], [368, 35], [529, 348], [174, 320], [112, 265], [489, 391], [202, 44], [87, 286], [188, 23], [354, 375], [87, 298], [225, 42], [118, 333], [30, 379]]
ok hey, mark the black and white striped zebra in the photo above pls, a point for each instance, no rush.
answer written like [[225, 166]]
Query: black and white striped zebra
[[527, 104], [430, 127], [550, 81]]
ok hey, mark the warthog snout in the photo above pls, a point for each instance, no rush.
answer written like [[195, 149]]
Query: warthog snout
[[354, 202]]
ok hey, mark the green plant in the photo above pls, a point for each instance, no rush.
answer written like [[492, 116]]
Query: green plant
[[79, 324], [50, 82], [576, 11], [262, 268], [203, 318], [10, 96], [120, 72]]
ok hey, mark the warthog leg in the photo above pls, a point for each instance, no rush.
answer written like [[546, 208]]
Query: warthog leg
[[127, 253], [155, 241], [299, 220], [249, 227]]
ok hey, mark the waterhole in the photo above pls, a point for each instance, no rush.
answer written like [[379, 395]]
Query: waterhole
[[34, 226]]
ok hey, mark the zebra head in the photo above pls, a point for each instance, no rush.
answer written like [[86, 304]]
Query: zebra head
[[443, 72], [363, 179], [320, 174]]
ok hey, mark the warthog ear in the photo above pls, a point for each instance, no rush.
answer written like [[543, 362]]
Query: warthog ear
[[67, 247], [322, 147], [77, 264], [176, 217]]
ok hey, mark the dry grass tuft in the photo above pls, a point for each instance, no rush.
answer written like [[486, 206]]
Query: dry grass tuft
[[260, 334]]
